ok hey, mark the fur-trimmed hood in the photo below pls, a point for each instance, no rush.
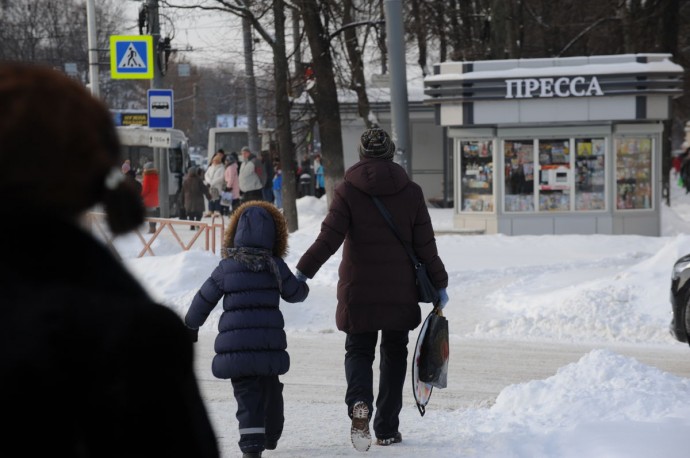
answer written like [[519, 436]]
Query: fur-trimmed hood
[[280, 242]]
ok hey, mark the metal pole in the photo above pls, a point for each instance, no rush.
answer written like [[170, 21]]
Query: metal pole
[[396, 50], [155, 30], [250, 86], [447, 172], [93, 47], [160, 154]]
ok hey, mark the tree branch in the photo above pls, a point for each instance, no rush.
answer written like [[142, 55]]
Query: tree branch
[[241, 10], [355, 24], [583, 33]]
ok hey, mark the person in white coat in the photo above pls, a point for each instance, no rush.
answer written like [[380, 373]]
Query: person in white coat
[[252, 176], [215, 180]]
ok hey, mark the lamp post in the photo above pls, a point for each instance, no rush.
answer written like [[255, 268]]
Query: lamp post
[[396, 50], [93, 50]]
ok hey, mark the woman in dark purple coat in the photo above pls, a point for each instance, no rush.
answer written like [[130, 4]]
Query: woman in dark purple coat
[[376, 287]]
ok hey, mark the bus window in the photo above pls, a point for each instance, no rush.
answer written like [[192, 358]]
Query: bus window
[[231, 141], [176, 160]]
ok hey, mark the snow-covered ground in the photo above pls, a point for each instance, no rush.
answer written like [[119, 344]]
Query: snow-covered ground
[[583, 304]]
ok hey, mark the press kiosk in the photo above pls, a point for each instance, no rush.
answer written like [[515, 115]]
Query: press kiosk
[[556, 146]]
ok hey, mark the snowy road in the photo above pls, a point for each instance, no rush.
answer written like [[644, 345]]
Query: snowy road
[[479, 370]]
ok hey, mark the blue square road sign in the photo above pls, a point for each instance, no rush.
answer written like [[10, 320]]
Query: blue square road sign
[[161, 108]]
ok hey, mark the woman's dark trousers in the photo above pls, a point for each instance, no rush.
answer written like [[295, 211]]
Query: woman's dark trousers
[[359, 358]]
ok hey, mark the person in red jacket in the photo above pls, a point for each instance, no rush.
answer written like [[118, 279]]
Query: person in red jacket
[[149, 192], [376, 285]]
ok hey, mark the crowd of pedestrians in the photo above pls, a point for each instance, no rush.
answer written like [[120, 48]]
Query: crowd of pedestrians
[[231, 181]]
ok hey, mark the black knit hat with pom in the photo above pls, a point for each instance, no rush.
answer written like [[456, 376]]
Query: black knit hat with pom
[[376, 143]]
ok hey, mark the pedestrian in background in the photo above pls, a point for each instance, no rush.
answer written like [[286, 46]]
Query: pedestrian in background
[[149, 192], [319, 181], [278, 186], [131, 175], [232, 179], [193, 192], [252, 176], [215, 180], [270, 173], [677, 165], [377, 285], [90, 365], [251, 345]]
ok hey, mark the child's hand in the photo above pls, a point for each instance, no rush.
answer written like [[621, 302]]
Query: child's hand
[[300, 276]]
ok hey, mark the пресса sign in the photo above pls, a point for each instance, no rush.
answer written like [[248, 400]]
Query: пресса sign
[[565, 86]]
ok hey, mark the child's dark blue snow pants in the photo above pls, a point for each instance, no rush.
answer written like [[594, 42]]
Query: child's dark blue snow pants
[[259, 411], [359, 357]]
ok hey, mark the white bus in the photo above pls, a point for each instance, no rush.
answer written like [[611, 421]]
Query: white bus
[[234, 138], [138, 145]]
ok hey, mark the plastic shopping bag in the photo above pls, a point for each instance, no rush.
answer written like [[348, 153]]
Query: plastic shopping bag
[[434, 352], [424, 359]]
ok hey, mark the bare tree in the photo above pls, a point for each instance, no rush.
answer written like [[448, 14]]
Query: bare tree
[[52, 32], [357, 81], [325, 94], [255, 13]]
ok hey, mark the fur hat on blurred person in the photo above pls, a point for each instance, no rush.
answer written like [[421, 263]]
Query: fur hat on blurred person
[[59, 149], [375, 143]]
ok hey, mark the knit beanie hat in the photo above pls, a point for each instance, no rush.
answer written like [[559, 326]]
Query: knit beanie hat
[[375, 143]]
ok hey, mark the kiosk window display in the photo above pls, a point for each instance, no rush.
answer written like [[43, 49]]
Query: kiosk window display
[[590, 179], [477, 172], [554, 175], [519, 175], [567, 182], [634, 173]]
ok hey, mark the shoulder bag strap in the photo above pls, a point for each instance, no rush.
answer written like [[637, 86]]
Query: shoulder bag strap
[[389, 220]]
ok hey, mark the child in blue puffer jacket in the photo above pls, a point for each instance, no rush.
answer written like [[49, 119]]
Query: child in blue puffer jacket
[[251, 345]]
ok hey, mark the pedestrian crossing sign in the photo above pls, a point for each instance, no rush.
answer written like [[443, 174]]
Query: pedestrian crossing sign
[[131, 57]]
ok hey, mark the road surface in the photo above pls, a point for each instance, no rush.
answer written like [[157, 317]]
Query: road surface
[[316, 422]]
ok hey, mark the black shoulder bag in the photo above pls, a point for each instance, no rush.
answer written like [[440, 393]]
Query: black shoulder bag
[[425, 289]]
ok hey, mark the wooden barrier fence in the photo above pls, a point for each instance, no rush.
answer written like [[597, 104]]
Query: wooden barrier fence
[[95, 222]]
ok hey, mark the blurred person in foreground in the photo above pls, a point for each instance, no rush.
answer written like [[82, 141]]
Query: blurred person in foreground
[[90, 365], [376, 280]]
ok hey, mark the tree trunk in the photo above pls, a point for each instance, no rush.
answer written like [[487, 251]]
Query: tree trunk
[[283, 124], [325, 96], [250, 86], [419, 28], [354, 55], [440, 20]]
